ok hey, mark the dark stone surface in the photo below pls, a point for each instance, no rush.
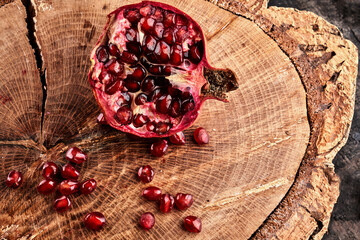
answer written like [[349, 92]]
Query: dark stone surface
[[345, 220]]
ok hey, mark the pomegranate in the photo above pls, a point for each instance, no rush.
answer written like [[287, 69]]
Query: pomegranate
[[88, 186], [158, 149], [152, 193], [75, 155], [14, 179], [192, 224], [50, 170], [101, 119], [68, 187], [201, 136], [146, 174], [147, 220], [94, 221], [46, 186], [150, 73], [62, 204], [183, 201], [178, 138], [68, 171], [166, 203]]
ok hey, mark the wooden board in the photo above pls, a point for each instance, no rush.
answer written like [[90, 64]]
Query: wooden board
[[267, 171]]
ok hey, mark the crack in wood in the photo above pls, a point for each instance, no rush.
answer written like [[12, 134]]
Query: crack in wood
[[222, 28]]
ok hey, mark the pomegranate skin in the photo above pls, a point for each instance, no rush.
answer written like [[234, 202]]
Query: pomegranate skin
[[147, 221], [14, 179], [167, 46], [193, 224], [94, 221]]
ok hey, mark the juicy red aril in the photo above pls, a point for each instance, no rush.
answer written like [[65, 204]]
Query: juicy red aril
[[114, 66], [115, 86], [141, 99], [163, 104], [149, 43], [158, 15], [124, 99], [146, 10], [175, 108], [132, 15], [132, 35], [201, 136], [166, 203], [14, 179], [168, 36], [187, 106], [183, 201], [50, 170], [114, 50], [129, 57], [101, 119], [176, 55], [192, 224], [46, 186], [140, 120], [124, 115], [147, 220], [102, 54], [152, 193], [158, 149], [155, 95], [162, 128], [162, 52], [75, 155], [138, 74], [134, 47], [68, 187], [181, 20], [146, 174], [88, 186], [169, 19], [69, 172], [195, 54], [62, 204], [150, 126], [158, 30], [178, 138], [94, 221], [132, 85], [155, 69], [148, 84], [147, 24]]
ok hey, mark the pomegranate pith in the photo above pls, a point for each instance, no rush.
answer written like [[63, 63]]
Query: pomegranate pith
[[68, 187], [147, 220], [166, 203], [201, 136], [69, 172], [62, 204], [75, 155], [183, 201], [46, 186], [193, 224], [14, 179], [94, 221], [159, 60], [50, 170], [152, 193], [146, 174], [158, 149], [88, 186]]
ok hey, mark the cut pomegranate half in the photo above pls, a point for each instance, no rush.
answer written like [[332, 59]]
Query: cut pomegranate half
[[150, 73]]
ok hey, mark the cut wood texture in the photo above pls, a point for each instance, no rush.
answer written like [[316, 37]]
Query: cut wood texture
[[267, 172]]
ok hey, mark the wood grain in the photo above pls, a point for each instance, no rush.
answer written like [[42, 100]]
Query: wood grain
[[240, 181]]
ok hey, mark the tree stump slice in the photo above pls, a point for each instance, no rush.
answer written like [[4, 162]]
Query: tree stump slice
[[267, 171]]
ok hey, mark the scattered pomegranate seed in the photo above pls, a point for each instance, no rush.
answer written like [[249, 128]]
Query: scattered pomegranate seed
[[101, 119], [14, 179], [183, 201], [50, 170], [158, 149], [201, 136], [152, 193], [166, 203], [192, 224], [94, 221], [69, 172], [62, 204], [46, 186], [146, 174], [88, 186], [147, 220], [75, 155], [178, 138], [68, 187]]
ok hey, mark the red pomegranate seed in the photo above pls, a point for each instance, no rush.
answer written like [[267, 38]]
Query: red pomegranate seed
[[114, 66], [124, 115], [187, 106], [169, 19], [146, 174], [150, 126], [94, 221], [159, 30], [158, 15], [146, 10], [178, 138], [166, 203], [50, 170], [163, 104], [132, 85], [149, 43], [88, 186], [175, 108], [201, 136], [102, 54], [152, 193], [158, 149], [155, 95], [141, 99], [129, 58], [138, 74], [132, 15], [162, 52], [195, 54], [62, 204], [162, 128], [148, 84], [69, 172], [140, 120], [46, 186], [192, 224], [147, 24], [132, 35], [124, 99], [114, 50], [168, 36], [147, 220], [68, 187], [14, 179], [155, 69], [75, 155], [183, 201], [101, 119], [176, 55], [181, 20], [115, 86]]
